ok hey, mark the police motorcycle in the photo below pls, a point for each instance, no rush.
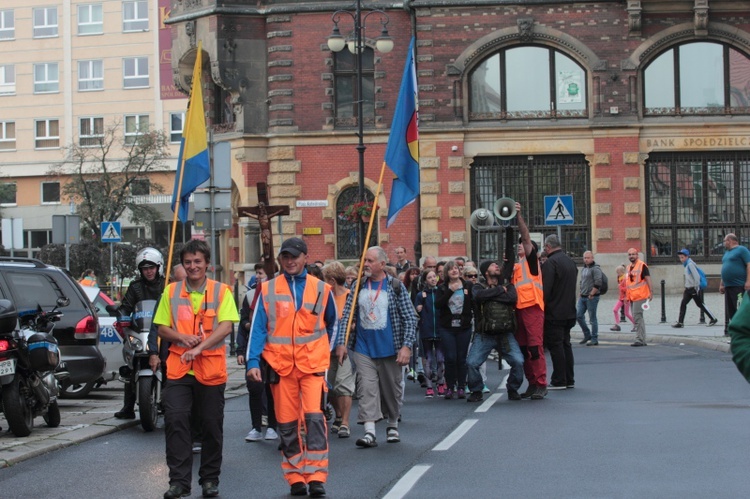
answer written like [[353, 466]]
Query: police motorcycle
[[30, 369], [136, 373]]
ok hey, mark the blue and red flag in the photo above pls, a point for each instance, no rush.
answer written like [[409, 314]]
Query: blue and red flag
[[402, 153], [193, 165]]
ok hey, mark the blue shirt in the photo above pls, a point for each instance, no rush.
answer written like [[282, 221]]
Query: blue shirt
[[374, 331], [734, 266]]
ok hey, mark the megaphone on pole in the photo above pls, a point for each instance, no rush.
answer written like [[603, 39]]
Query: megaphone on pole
[[481, 218], [505, 209]]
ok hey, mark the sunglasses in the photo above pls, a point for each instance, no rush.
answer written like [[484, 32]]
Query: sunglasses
[[471, 276]]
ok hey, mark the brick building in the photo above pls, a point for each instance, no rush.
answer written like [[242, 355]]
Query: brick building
[[639, 110]]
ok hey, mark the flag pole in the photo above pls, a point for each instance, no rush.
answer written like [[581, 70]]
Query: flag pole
[[168, 270], [373, 216]]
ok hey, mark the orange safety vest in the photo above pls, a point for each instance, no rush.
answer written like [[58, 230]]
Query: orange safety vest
[[296, 338], [528, 286], [637, 289], [210, 367]]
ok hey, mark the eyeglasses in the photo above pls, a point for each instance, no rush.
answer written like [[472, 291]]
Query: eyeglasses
[[471, 276]]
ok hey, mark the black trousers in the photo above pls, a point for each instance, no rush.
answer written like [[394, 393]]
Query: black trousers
[[731, 293], [256, 390], [688, 295], [180, 396], [557, 341]]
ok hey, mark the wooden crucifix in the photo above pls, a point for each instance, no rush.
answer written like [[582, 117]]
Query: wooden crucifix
[[263, 213]]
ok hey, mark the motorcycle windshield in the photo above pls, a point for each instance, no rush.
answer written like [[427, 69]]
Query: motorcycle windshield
[[143, 314]]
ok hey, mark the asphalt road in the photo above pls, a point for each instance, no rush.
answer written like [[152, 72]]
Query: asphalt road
[[662, 421]]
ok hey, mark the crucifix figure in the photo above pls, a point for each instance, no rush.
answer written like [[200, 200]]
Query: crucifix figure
[[263, 213]]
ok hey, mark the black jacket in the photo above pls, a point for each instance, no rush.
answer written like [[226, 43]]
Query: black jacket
[[445, 317], [140, 290], [559, 275]]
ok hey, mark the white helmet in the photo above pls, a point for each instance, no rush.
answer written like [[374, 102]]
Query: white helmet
[[150, 256]]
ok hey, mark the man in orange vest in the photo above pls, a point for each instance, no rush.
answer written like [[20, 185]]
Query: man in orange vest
[[638, 291], [292, 325], [195, 316], [527, 278]]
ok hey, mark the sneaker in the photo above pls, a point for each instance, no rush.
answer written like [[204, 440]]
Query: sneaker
[[367, 441], [298, 489], [513, 395], [713, 321], [539, 392], [429, 393], [422, 380], [271, 434], [448, 394], [393, 437], [592, 343], [197, 447], [317, 489], [677, 325], [638, 344], [253, 436], [615, 328], [529, 391], [485, 389], [556, 387], [461, 393], [176, 491], [411, 375], [441, 390], [210, 489], [475, 397], [634, 329], [584, 341]]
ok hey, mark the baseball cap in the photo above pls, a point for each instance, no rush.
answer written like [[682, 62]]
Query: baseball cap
[[294, 246], [684, 251]]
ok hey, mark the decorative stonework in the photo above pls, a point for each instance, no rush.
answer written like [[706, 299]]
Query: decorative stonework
[[329, 239], [287, 191], [603, 234], [631, 183], [603, 208], [429, 188], [603, 184], [429, 162], [279, 34], [432, 238], [455, 162], [634, 17], [285, 152], [327, 213], [632, 208], [457, 212], [284, 166], [431, 212], [281, 179], [630, 158], [601, 158], [700, 8], [633, 233], [458, 237], [455, 187], [384, 237]]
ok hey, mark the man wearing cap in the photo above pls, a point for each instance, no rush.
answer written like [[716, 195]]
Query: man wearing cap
[[692, 289], [638, 291], [291, 328]]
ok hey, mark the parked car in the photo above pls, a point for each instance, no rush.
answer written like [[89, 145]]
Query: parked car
[[110, 341], [30, 283]]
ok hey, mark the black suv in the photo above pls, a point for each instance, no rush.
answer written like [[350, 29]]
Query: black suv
[[29, 283]]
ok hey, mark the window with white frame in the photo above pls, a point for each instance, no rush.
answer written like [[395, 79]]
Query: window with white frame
[[46, 78], [135, 72], [7, 25], [47, 134], [7, 193], [176, 124], [45, 22], [7, 135], [135, 125], [7, 79], [90, 19], [90, 75], [91, 131], [50, 192], [135, 15]]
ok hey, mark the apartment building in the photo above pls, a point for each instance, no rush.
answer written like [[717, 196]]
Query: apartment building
[[70, 70]]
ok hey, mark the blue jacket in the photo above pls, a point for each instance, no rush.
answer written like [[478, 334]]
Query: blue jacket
[[428, 324]]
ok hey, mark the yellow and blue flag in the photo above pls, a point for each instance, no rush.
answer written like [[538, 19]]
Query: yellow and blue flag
[[193, 165], [402, 153]]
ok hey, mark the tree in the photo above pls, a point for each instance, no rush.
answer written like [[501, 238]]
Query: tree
[[102, 172]]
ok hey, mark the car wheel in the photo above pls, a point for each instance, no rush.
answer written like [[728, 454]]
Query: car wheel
[[77, 390]]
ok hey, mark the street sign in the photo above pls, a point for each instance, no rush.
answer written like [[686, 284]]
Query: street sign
[[13, 233], [312, 203], [111, 232], [558, 210], [66, 229]]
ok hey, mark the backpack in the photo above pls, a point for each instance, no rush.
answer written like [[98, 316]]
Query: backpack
[[605, 283], [704, 281], [496, 318]]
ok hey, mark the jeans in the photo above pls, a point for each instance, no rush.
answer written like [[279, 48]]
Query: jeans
[[507, 346], [690, 294], [588, 304], [455, 345]]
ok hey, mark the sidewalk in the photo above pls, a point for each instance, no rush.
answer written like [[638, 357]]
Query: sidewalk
[[94, 416]]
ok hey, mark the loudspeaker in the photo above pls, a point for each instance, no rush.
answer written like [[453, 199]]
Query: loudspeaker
[[505, 209], [481, 218]]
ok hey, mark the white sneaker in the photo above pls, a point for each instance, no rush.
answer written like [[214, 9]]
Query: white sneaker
[[271, 434], [253, 436]]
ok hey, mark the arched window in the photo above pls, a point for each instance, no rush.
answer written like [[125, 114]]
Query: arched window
[[345, 81], [527, 82], [346, 229], [698, 78]]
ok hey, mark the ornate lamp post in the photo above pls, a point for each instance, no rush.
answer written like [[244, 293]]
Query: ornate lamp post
[[355, 44]]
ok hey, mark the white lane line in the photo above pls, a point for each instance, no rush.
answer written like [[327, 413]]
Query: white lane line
[[492, 398], [455, 435], [407, 482]]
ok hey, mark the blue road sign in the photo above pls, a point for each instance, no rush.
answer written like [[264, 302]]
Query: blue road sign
[[111, 232], [558, 209]]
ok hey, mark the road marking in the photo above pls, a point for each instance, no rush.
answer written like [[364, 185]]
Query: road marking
[[455, 435], [492, 398], [407, 482]]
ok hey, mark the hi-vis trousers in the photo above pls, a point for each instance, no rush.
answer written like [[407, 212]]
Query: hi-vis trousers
[[295, 396]]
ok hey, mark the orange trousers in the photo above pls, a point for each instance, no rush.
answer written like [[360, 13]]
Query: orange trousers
[[299, 396]]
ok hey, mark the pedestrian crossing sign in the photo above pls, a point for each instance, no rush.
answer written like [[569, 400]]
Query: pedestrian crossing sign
[[111, 232], [558, 210]]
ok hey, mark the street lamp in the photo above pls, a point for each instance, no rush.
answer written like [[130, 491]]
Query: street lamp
[[354, 42]]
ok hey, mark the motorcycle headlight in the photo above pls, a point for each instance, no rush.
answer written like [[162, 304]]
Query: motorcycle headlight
[[136, 342]]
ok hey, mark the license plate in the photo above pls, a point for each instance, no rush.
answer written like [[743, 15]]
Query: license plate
[[7, 367]]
